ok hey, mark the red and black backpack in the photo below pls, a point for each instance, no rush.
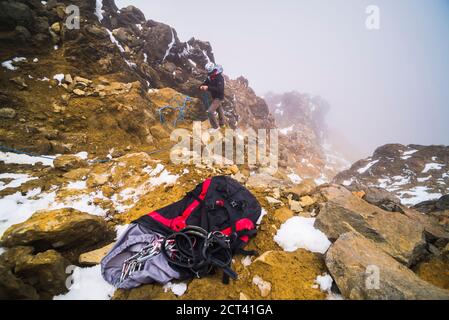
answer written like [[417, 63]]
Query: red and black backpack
[[207, 227]]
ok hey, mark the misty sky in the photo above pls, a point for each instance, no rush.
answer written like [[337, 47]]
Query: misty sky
[[388, 85]]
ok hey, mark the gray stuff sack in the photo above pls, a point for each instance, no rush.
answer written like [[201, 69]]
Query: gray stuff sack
[[131, 242]]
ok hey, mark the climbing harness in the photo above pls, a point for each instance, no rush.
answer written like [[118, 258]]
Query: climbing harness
[[199, 251], [181, 107]]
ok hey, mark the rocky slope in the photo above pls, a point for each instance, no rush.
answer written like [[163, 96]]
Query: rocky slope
[[304, 135], [66, 90], [308, 238], [93, 96], [412, 173]]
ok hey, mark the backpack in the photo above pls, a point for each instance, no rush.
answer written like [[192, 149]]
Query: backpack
[[189, 238]]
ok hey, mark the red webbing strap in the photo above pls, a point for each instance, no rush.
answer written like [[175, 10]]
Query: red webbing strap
[[242, 224], [179, 222]]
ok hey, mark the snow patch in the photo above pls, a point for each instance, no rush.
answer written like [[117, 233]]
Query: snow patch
[[14, 158], [286, 131], [98, 9], [115, 41], [9, 64], [177, 288], [294, 178], [120, 229], [59, 77], [409, 152], [77, 185], [17, 180], [170, 45], [262, 214], [366, 168], [17, 208], [417, 194], [432, 166], [88, 284], [82, 155], [299, 232], [246, 261], [206, 56], [279, 111], [425, 179], [322, 179], [325, 282], [193, 63], [347, 183]]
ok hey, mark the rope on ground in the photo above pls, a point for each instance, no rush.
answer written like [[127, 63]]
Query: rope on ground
[[180, 107]]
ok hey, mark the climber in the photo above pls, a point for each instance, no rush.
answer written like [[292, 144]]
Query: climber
[[215, 85]]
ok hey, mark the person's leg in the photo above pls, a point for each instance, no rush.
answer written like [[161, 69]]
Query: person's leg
[[221, 115], [211, 113]]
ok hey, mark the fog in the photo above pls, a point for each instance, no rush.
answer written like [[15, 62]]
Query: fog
[[385, 86]]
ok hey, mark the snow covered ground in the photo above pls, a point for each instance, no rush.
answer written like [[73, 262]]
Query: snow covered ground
[[177, 288], [418, 194], [299, 232], [16, 180], [294, 178], [14, 158], [367, 167], [87, 284]]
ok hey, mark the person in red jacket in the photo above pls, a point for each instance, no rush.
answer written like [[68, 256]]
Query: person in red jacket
[[215, 85]]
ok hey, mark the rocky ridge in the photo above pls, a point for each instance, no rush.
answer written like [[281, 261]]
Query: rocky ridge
[[412, 173]]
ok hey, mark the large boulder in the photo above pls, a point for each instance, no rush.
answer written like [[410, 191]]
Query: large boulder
[[14, 13], [59, 229], [12, 286], [395, 233], [306, 187], [264, 180], [94, 257], [379, 197], [32, 276], [435, 230], [363, 271], [46, 272]]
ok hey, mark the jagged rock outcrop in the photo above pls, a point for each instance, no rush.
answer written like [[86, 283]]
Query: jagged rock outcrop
[[413, 173], [81, 84]]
